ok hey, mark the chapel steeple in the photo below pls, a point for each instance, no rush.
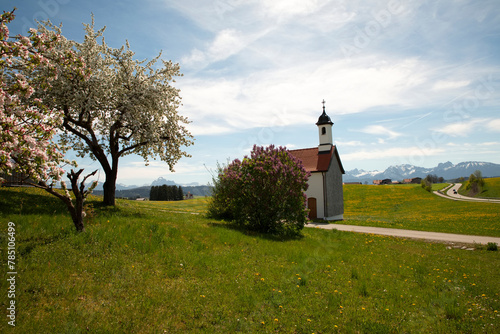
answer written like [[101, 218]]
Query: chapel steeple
[[325, 131]]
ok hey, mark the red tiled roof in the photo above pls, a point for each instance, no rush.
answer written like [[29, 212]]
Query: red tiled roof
[[314, 162]]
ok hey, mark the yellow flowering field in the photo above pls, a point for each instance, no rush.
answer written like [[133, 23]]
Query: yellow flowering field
[[157, 267], [411, 207]]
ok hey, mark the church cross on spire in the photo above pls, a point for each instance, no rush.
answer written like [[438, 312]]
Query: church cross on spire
[[323, 105]]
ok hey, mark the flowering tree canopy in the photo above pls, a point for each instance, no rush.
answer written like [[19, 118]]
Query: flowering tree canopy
[[28, 125], [264, 192], [126, 106], [29, 66]]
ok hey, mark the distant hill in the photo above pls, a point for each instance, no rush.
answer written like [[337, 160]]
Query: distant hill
[[143, 192], [446, 170]]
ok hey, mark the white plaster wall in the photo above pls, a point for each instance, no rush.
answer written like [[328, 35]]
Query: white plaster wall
[[326, 138], [316, 190]]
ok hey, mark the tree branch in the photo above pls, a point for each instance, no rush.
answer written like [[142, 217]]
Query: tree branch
[[92, 142]]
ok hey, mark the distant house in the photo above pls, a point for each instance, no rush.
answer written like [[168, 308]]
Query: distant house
[[15, 180], [416, 180], [384, 181], [325, 196]]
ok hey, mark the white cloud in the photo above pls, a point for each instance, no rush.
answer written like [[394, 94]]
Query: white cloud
[[380, 130], [293, 95], [446, 84], [349, 143], [493, 125], [394, 152], [226, 43], [287, 9], [465, 128]]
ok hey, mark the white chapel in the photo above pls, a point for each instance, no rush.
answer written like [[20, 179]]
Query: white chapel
[[325, 197]]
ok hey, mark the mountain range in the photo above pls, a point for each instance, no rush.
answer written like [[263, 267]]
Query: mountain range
[[125, 191], [447, 170]]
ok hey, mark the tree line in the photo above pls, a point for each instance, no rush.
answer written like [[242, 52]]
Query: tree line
[[429, 180], [166, 193]]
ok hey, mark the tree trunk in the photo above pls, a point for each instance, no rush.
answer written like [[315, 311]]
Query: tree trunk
[[76, 208], [77, 217], [109, 187]]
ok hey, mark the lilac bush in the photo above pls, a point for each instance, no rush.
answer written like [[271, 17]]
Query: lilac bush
[[263, 192]]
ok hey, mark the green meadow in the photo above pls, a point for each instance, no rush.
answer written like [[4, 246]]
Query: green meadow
[[163, 267], [491, 188], [410, 207]]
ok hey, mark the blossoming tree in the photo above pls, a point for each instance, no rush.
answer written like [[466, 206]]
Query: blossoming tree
[[27, 124], [126, 107], [264, 192]]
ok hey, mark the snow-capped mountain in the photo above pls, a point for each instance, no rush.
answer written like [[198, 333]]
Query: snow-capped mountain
[[446, 170], [162, 181]]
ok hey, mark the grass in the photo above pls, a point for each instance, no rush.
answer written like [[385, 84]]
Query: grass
[[411, 207], [155, 267], [491, 188]]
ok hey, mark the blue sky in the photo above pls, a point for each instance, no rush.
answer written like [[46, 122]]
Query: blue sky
[[405, 82]]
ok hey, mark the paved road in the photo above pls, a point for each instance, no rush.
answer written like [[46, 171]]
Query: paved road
[[446, 237], [443, 237], [450, 194]]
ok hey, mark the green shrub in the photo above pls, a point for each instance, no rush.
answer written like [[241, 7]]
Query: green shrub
[[492, 246], [426, 184], [264, 192]]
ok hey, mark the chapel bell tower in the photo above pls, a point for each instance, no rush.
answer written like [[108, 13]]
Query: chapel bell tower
[[325, 132]]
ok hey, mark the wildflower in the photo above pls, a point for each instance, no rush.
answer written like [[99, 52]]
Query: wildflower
[[309, 320], [276, 319]]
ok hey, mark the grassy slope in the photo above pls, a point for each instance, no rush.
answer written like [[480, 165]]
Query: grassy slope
[[141, 268], [411, 207], [491, 188]]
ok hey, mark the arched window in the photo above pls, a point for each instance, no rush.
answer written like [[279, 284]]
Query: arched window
[[323, 130]]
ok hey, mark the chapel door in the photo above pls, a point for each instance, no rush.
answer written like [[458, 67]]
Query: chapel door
[[311, 204]]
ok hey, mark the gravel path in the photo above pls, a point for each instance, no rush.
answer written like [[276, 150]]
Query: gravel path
[[435, 236]]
